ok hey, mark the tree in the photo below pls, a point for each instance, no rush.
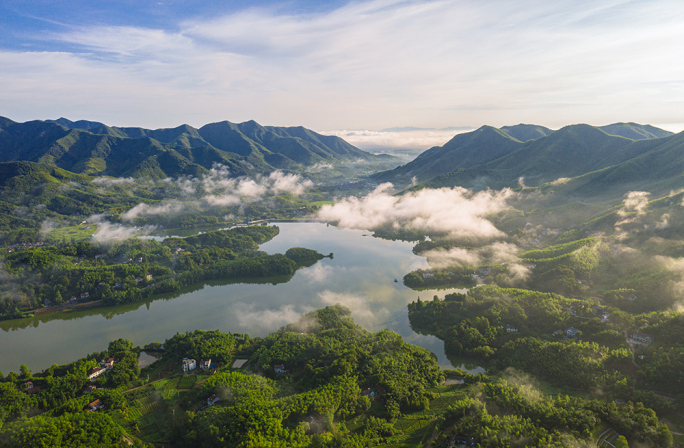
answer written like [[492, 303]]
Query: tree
[[24, 372], [58, 298], [621, 442]]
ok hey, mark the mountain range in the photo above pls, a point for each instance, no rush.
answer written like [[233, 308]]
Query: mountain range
[[586, 158], [93, 148]]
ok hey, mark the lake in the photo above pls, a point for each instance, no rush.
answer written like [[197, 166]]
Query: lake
[[360, 276]]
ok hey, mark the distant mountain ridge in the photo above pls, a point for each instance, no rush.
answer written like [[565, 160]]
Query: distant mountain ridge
[[94, 148], [495, 158]]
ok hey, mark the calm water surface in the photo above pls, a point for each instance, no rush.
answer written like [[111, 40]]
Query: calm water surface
[[360, 276]]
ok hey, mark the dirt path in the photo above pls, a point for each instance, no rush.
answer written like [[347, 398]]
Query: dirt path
[[631, 347]]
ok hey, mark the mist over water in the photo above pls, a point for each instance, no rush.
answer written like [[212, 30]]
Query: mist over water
[[360, 276]]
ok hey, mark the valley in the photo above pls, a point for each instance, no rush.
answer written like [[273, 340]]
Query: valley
[[538, 271]]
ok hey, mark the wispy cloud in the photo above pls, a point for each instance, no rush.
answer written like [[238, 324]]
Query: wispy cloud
[[367, 64], [216, 189]]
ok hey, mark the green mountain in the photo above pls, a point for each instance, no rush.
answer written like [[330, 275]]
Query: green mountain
[[465, 150], [246, 148], [655, 165]]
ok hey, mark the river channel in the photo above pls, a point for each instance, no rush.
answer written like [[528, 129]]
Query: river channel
[[360, 276]]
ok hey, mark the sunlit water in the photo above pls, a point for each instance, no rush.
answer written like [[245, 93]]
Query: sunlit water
[[360, 276]]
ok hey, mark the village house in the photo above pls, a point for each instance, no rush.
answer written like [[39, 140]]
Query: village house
[[212, 400], [665, 396], [138, 279], [510, 329], [31, 388], [89, 389], [117, 285], [94, 373], [85, 295], [94, 406], [280, 369], [149, 277], [107, 363], [642, 337], [428, 275], [205, 363], [571, 332], [370, 393], [189, 364]]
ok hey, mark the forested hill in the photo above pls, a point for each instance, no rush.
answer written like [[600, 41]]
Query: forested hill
[[497, 158], [248, 148]]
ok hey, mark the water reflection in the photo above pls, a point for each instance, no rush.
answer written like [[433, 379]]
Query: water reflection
[[360, 276]]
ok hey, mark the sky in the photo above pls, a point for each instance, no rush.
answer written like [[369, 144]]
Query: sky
[[360, 65]]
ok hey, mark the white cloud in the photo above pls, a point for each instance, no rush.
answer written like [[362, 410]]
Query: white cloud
[[456, 212], [317, 273], [633, 208], [365, 64], [499, 252], [249, 317], [218, 189], [110, 232], [357, 304], [288, 183], [151, 210]]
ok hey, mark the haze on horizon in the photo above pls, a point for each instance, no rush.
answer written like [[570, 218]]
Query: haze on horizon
[[344, 65]]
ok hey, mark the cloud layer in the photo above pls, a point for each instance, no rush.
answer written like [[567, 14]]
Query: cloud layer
[[456, 212]]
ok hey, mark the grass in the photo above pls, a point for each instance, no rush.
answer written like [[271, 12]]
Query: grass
[[187, 382], [77, 232]]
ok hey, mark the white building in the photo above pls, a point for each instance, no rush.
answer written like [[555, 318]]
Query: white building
[[94, 373], [205, 363], [189, 364]]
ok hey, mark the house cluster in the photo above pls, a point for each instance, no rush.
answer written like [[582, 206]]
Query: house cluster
[[428, 275], [105, 365], [11, 248], [461, 442], [190, 364], [481, 273], [597, 310], [510, 328], [642, 338]]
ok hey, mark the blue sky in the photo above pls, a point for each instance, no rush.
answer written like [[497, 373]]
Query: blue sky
[[344, 65]]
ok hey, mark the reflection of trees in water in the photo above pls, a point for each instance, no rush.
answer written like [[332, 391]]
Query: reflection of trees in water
[[109, 312]]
